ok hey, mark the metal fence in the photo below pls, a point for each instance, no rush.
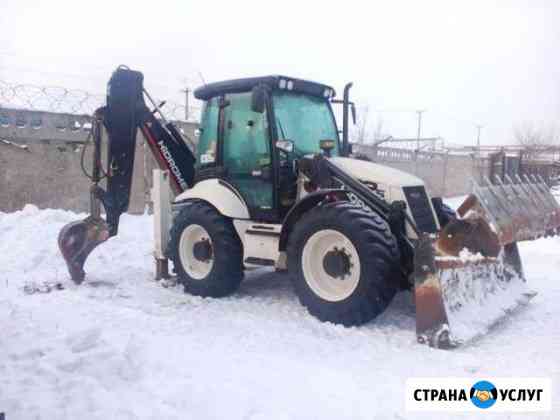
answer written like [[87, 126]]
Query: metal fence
[[72, 101], [503, 164]]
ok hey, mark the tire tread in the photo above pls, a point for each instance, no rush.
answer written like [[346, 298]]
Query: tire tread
[[227, 273], [379, 258]]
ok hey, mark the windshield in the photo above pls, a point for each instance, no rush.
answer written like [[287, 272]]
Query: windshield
[[305, 120]]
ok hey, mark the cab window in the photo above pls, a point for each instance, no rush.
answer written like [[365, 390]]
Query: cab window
[[246, 151], [207, 147], [305, 120]]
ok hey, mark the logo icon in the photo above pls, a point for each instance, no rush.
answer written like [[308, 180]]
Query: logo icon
[[483, 394]]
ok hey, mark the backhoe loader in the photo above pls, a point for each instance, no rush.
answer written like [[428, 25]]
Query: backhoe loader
[[272, 184]]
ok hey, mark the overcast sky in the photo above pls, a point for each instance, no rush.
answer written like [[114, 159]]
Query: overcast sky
[[464, 62]]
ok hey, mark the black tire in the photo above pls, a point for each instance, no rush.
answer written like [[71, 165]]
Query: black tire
[[226, 251], [378, 255]]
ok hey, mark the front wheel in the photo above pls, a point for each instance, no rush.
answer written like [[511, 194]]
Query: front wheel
[[344, 263]]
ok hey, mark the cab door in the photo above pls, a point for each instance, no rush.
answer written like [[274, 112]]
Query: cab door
[[246, 155]]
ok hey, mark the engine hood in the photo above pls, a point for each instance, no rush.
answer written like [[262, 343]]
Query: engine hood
[[373, 172]]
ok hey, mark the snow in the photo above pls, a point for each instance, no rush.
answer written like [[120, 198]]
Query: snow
[[478, 296], [122, 347]]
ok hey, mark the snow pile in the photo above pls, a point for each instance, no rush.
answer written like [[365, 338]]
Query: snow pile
[[122, 347]]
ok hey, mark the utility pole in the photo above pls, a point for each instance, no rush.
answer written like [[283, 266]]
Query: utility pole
[[418, 134], [419, 112], [187, 91], [478, 156], [478, 127]]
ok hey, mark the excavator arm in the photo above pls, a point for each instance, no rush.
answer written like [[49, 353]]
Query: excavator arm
[[124, 114]]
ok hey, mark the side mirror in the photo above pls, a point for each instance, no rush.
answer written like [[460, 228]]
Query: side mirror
[[285, 145], [353, 110], [258, 99]]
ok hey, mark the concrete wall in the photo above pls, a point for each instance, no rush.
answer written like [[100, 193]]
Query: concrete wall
[[48, 173], [444, 174]]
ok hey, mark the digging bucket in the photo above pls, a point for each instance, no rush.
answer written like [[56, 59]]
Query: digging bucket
[[77, 239]]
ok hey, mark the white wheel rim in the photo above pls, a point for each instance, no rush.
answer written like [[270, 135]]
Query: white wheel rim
[[324, 285], [195, 268]]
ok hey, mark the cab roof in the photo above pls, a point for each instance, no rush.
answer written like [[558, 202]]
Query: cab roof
[[273, 82]]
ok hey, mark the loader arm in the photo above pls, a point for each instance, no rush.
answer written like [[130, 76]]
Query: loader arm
[[326, 174], [124, 113]]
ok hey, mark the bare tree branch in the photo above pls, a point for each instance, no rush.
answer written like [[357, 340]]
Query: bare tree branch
[[378, 133], [535, 139], [362, 121], [365, 131]]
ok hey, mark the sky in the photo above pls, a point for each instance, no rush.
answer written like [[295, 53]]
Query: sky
[[466, 63]]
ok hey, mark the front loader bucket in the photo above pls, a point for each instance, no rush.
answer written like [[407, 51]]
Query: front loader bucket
[[470, 275], [77, 239], [460, 298]]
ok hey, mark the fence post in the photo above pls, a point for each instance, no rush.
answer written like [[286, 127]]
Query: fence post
[[445, 163]]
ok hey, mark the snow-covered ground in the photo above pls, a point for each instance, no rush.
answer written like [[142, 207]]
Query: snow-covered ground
[[123, 347]]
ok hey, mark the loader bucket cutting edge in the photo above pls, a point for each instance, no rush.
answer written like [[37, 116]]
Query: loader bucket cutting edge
[[76, 240], [470, 275], [459, 299]]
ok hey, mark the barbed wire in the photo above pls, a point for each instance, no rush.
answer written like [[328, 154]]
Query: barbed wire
[[72, 101]]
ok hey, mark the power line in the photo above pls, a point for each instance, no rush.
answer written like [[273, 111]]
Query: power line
[[403, 110]]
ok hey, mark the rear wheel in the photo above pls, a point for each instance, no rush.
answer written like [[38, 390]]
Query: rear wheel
[[343, 263], [206, 251]]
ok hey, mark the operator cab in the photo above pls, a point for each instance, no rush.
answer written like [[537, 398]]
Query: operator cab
[[253, 130]]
